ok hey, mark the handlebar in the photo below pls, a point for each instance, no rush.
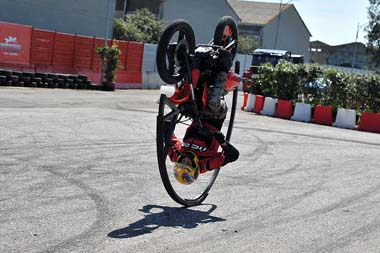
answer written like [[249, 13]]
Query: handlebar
[[232, 43]]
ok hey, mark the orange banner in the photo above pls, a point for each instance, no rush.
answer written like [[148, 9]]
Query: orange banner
[[15, 41]]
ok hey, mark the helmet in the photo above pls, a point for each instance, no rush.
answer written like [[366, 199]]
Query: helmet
[[186, 169]]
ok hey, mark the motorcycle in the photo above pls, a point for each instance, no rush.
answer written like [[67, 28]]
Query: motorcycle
[[190, 68]]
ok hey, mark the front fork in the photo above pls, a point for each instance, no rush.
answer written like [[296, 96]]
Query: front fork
[[193, 76]]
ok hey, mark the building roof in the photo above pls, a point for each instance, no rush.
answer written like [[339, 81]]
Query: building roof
[[322, 44], [259, 13]]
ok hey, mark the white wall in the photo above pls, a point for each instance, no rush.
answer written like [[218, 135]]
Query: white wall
[[202, 15], [292, 34], [150, 77]]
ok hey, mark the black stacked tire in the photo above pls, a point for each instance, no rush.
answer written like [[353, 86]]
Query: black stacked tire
[[3, 80]]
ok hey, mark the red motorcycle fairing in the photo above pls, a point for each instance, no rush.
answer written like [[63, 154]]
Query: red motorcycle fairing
[[183, 94], [233, 80], [195, 73]]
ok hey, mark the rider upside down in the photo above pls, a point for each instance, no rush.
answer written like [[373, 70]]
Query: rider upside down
[[199, 151]]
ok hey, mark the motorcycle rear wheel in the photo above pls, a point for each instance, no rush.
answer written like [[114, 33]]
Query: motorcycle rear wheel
[[179, 37]]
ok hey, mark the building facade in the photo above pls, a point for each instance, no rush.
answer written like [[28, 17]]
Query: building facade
[[276, 26], [84, 17], [345, 55], [202, 15]]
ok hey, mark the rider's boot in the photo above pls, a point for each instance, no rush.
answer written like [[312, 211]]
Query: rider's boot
[[216, 91]]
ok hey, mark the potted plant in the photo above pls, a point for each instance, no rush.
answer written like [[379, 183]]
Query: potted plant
[[110, 63]]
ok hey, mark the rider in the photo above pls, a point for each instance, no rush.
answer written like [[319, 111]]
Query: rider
[[199, 151]]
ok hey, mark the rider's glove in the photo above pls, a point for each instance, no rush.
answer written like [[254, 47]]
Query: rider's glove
[[224, 60], [219, 137], [231, 154]]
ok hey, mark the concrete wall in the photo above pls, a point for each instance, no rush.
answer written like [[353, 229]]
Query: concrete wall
[[84, 17], [203, 16], [292, 34], [151, 79]]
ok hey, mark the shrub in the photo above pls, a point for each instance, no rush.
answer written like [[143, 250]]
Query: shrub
[[110, 56], [141, 26], [313, 84], [265, 82], [312, 87], [287, 80], [374, 93], [337, 87]]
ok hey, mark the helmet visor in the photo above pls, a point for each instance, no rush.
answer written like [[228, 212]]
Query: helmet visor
[[182, 166]]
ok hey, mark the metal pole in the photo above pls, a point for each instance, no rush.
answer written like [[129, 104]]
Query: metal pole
[[108, 21], [105, 38], [278, 21], [278, 24], [354, 52]]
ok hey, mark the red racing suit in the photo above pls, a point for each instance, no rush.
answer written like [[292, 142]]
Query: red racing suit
[[202, 142]]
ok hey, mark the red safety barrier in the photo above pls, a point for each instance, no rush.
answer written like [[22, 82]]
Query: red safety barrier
[[15, 43], [284, 109], [63, 56], [135, 51], [323, 115], [123, 46], [370, 122], [83, 52], [245, 100], [42, 48], [96, 59], [48, 51], [124, 79], [259, 104]]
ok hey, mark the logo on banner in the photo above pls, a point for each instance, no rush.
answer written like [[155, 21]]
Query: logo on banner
[[10, 46], [15, 43]]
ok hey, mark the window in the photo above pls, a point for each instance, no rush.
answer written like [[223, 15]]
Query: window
[[152, 5], [120, 5]]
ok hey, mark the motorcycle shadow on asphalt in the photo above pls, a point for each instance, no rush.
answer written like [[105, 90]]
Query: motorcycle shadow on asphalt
[[167, 217]]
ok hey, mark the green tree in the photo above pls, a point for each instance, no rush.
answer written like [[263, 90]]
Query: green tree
[[373, 30], [247, 44], [141, 26]]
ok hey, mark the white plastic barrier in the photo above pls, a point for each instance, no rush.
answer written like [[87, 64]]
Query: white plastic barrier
[[168, 90], [151, 80], [269, 106], [149, 57], [345, 118], [302, 112], [250, 103]]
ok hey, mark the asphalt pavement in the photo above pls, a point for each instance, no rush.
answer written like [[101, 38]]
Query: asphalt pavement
[[78, 173]]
